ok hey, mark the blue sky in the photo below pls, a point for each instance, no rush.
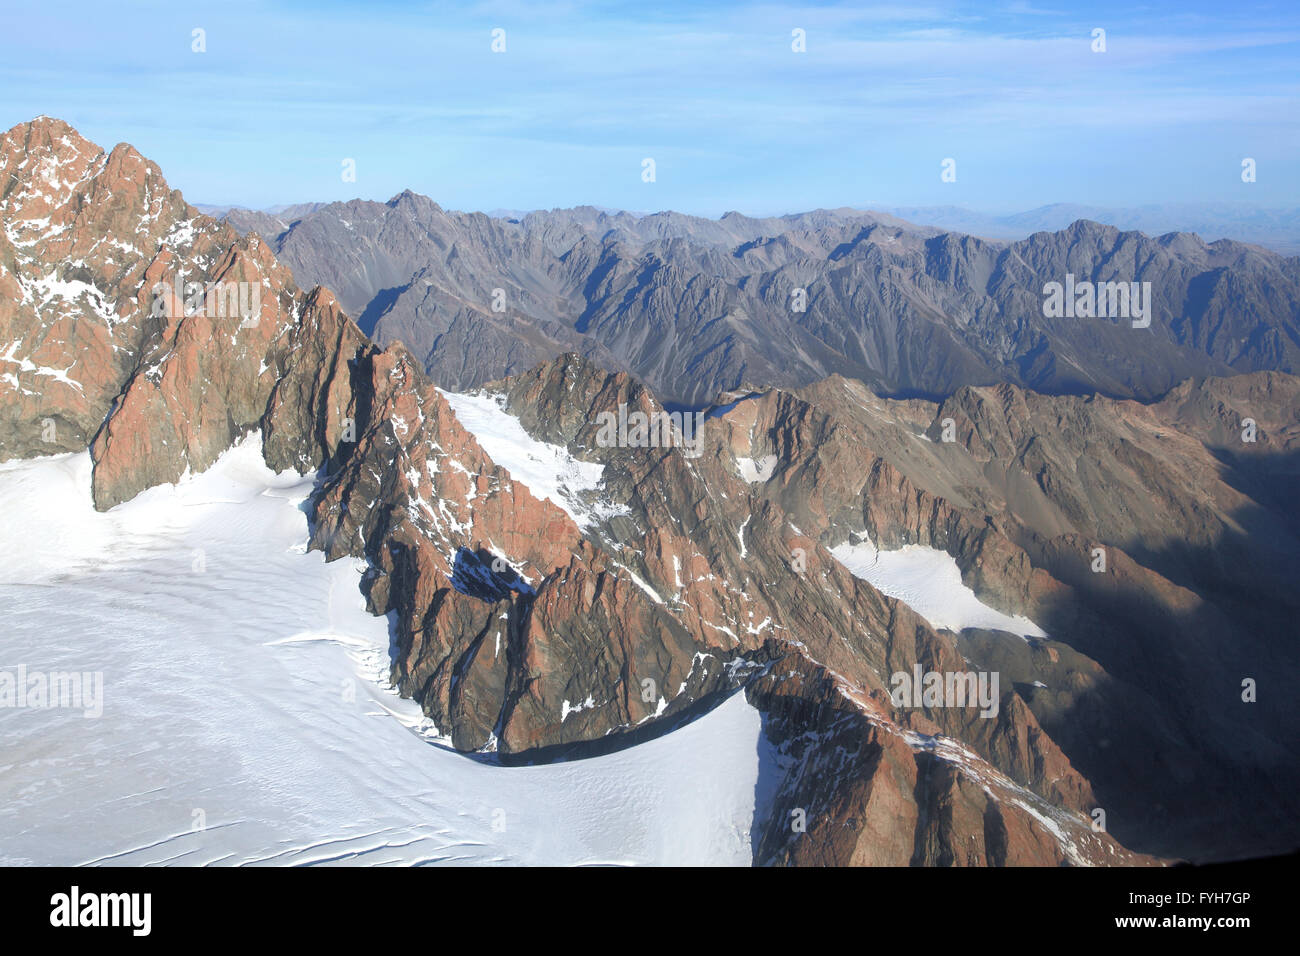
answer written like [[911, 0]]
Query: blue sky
[[713, 92]]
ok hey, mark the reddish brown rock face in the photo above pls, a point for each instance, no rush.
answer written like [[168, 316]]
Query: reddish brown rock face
[[81, 228], [860, 790], [699, 571], [144, 329]]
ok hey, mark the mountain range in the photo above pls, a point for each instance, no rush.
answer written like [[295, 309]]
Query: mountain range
[[693, 307], [1112, 506], [1268, 226]]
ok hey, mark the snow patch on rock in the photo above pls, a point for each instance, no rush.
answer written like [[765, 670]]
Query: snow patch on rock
[[548, 471], [929, 582], [754, 471]]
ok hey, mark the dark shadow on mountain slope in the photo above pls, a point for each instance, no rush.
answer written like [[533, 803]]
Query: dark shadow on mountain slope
[[1257, 565], [772, 771], [614, 742], [1182, 764], [486, 576], [379, 306]]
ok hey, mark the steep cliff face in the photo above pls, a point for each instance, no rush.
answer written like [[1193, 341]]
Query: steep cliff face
[[81, 227], [568, 569], [146, 330]]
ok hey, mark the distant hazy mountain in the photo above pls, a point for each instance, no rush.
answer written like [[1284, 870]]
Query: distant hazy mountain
[[696, 306], [1273, 227]]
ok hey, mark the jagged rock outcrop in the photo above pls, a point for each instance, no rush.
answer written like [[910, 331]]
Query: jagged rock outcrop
[[859, 791], [142, 328]]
